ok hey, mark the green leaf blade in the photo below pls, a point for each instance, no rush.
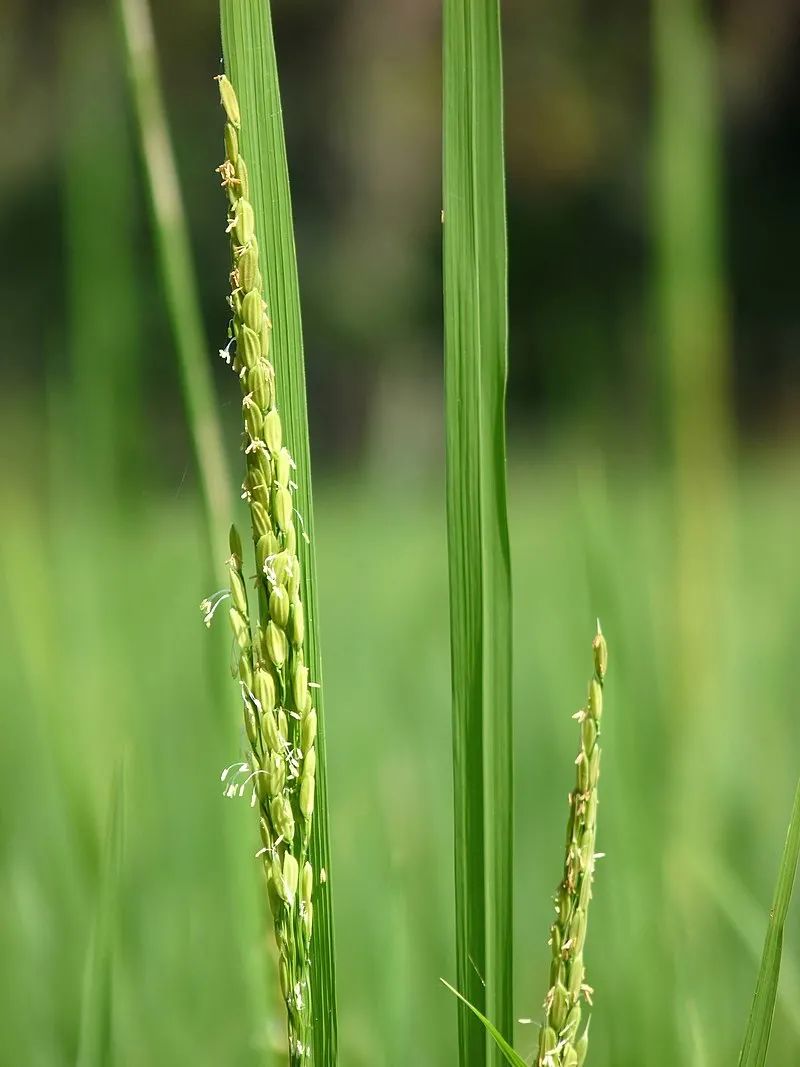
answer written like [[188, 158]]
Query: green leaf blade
[[475, 284], [510, 1054], [762, 1011], [96, 1041]]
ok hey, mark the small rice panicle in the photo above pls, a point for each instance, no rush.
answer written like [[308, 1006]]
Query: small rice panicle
[[563, 1041], [280, 720]]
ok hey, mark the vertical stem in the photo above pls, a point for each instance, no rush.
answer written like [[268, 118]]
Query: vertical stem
[[180, 286], [105, 372], [693, 327]]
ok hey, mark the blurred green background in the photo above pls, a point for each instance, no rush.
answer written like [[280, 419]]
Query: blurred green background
[[653, 167]]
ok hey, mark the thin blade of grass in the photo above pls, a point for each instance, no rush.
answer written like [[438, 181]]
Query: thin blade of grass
[[250, 62], [180, 285], [105, 372], [508, 1052], [742, 911], [475, 314], [96, 1043], [759, 1024]]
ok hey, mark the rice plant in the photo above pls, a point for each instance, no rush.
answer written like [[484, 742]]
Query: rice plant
[[99, 578]]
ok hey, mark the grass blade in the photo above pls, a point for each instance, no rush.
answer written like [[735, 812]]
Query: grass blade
[[103, 313], [96, 1044], [509, 1053], [180, 286], [475, 312], [249, 51], [759, 1024], [742, 911]]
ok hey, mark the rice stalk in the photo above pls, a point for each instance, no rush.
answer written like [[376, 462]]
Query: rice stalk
[[277, 695], [175, 261], [562, 1043]]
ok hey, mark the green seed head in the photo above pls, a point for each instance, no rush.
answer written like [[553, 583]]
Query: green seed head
[[575, 978], [266, 546], [283, 468], [588, 733], [235, 542], [291, 874], [570, 1027], [293, 570], [231, 143], [269, 731], [264, 689], [238, 592], [297, 624], [244, 222], [559, 1007], [248, 348], [282, 507], [252, 310], [261, 520], [275, 644], [283, 974], [247, 266], [308, 730], [595, 705], [583, 773], [229, 101], [577, 931], [307, 882], [300, 685], [273, 433], [280, 810], [251, 723], [276, 773], [600, 649], [259, 383], [307, 797], [242, 177], [283, 723], [310, 763], [246, 671], [308, 920], [279, 606], [548, 1040], [253, 419]]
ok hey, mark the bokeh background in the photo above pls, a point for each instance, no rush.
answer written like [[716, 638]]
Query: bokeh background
[[653, 157]]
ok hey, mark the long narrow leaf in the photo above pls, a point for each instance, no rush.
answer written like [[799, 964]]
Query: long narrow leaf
[[96, 1043], [511, 1055], [180, 286], [475, 298], [249, 51], [759, 1024]]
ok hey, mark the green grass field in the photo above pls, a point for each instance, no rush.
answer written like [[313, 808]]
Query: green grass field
[[106, 659]]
